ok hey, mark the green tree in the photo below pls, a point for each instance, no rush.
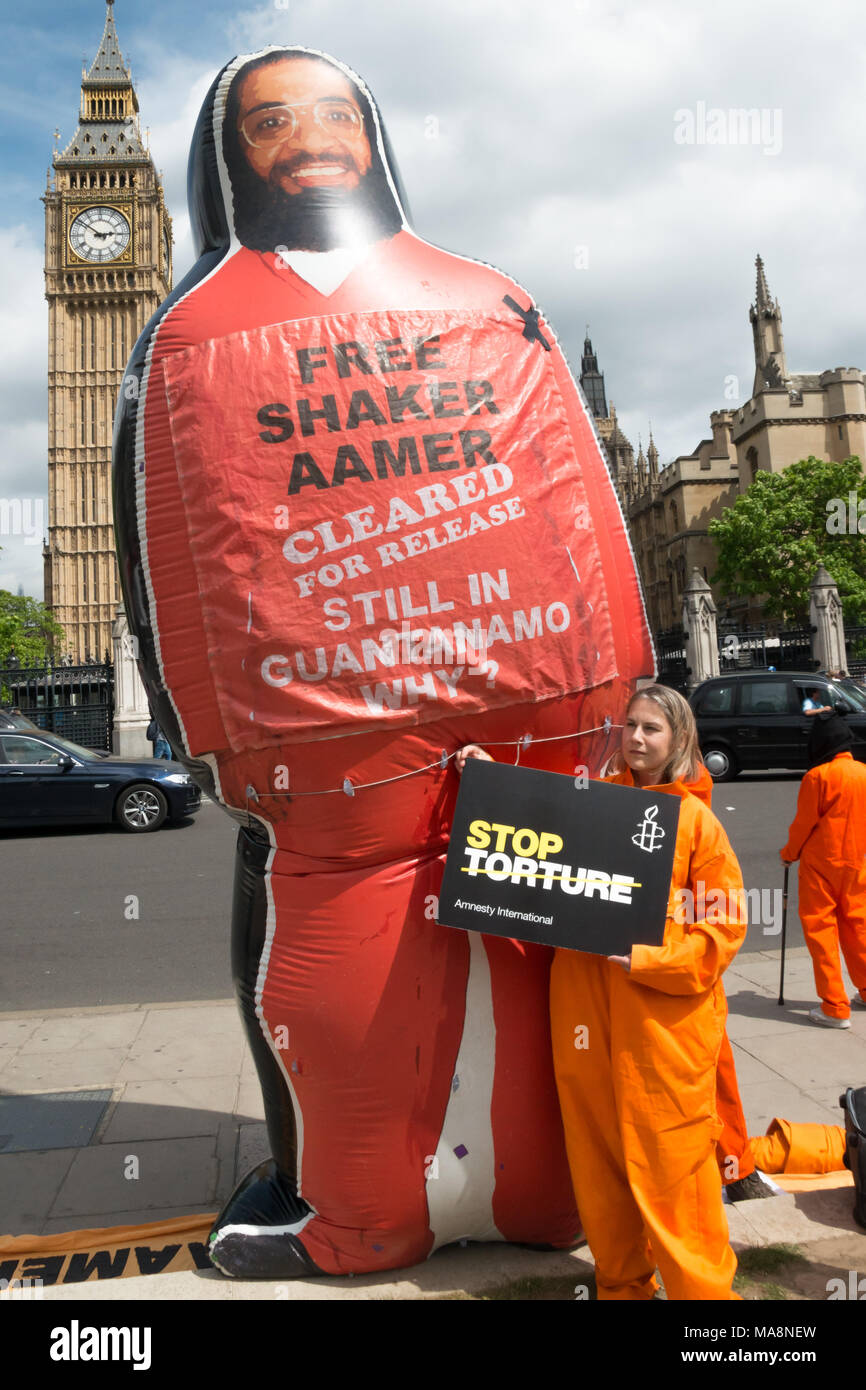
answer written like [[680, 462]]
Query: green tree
[[773, 539], [27, 629]]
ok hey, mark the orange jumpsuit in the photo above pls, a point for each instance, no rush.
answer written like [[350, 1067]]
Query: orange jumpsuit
[[638, 1100], [734, 1149], [828, 836]]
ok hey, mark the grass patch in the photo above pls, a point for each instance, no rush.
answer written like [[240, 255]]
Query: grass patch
[[768, 1259]]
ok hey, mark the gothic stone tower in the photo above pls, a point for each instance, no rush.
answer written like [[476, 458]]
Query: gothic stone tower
[[107, 267]]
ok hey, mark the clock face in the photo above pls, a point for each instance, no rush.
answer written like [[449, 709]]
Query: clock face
[[99, 234]]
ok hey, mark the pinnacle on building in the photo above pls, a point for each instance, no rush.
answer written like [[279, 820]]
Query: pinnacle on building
[[765, 317]]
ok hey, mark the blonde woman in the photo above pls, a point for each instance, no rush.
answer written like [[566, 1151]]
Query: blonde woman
[[636, 1041]]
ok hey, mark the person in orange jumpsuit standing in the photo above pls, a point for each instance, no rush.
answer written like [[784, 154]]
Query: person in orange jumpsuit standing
[[828, 836], [639, 1100]]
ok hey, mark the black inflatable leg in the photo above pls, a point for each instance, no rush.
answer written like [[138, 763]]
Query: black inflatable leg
[[251, 1238]]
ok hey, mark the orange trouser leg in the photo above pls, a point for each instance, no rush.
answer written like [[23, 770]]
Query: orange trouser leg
[[689, 1232], [611, 1219], [733, 1148], [851, 921], [818, 914]]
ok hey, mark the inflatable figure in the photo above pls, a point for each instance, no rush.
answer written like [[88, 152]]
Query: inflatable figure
[[363, 519]]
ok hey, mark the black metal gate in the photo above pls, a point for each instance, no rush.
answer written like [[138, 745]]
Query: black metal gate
[[671, 652], [760, 649], [855, 650], [74, 701]]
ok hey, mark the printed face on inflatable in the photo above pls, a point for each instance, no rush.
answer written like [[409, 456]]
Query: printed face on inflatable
[[300, 126], [299, 140], [364, 518]]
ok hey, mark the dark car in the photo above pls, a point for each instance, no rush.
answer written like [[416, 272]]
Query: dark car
[[47, 780], [14, 719], [754, 720]]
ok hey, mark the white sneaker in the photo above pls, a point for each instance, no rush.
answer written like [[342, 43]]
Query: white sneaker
[[857, 1002], [825, 1021]]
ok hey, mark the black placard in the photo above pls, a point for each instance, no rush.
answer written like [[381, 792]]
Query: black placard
[[559, 860]]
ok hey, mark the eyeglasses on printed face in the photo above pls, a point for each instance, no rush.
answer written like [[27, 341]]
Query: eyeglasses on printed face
[[274, 124]]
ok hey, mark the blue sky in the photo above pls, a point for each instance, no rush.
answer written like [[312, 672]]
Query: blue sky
[[541, 137]]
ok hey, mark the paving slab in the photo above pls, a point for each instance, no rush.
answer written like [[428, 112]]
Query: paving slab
[[28, 1186], [250, 1103], [750, 1070], [15, 1031], [200, 1054], [83, 1034], [171, 1172], [60, 1071], [253, 1148], [819, 1058], [768, 1099], [168, 1109], [169, 1024]]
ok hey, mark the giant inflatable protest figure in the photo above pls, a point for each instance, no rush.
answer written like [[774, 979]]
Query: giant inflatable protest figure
[[363, 519]]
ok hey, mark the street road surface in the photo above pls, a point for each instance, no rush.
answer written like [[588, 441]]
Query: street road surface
[[69, 936]]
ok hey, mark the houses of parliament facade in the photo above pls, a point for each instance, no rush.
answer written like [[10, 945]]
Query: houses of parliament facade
[[108, 267], [789, 416]]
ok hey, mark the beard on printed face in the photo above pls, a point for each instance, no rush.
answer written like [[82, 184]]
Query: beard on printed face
[[315, 218]]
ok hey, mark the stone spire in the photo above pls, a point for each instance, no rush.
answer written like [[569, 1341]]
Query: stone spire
[[641, 466], [108, 65], [762, 293], [592, 380], [765, 317], [108, 118], [653, 457]]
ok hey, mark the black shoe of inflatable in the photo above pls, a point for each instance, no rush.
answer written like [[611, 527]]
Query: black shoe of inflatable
[[854, 1104], [255, 1234]]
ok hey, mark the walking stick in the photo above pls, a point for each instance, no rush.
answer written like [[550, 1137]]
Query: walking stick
[[784, 934]]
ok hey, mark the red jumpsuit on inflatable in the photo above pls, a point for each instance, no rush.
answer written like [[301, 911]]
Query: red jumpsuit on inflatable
[[362, 524]]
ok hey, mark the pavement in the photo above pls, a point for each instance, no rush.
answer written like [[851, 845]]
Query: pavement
[[173, 1087]]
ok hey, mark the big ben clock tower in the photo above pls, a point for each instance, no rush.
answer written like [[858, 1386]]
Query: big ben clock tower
[[107, 268]]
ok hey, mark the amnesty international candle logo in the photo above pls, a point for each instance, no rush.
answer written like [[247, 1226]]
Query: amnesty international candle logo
[[535, 856], [649, 835]]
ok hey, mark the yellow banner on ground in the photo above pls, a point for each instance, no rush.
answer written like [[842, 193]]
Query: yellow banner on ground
[[114, 1252]]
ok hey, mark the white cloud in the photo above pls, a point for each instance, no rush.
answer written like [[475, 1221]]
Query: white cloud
[[556, 128], [23, 397]]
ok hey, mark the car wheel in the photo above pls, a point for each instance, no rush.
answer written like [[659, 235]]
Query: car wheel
[[141, 808], [720, 764]]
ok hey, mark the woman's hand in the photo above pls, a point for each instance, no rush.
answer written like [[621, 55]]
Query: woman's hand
[[470, 750], [624, 961]]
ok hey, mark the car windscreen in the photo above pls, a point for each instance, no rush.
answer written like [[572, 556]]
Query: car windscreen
[[87, 754], [851, 691]]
